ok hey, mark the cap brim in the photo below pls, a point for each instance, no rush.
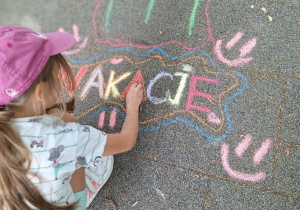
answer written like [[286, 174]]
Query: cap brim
[[60, 41]]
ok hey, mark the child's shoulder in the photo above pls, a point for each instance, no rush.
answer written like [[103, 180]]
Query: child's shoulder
[[49, 123], [42, 119], [44, 122]]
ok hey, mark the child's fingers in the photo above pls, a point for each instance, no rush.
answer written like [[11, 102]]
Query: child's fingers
[[140, 86]]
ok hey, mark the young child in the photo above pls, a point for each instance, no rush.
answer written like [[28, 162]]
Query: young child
[[47, 159]]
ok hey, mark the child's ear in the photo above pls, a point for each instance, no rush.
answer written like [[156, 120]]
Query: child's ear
[[40, 91]]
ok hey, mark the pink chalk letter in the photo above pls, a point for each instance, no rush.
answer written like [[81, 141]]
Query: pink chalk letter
[[138, 78], [193, 92], [80, 74]]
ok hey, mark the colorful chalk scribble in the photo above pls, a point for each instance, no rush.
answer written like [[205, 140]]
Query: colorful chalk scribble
[[208, 109], [103, 35], [200, 93]]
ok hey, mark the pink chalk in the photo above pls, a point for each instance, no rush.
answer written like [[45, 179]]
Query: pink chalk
[[76, 33], [243, 145], [77, 38], [81, 47], [205, 79], [101, 119], [213, 118], [244, 50], [262, 151], [116, 61], [234, 40], [80, 74], [113, 115], [236, 174], [248, 47], [237, 62], [137, 78], [193, 92]]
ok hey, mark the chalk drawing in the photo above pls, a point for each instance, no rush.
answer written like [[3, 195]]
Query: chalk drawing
[[112, 82], [192, 17], [181, 87], [244, 50], [149, 10], [181, 106], [116, 61], [240, 149], [262, 151], [121, 41], [209, 89], [77, 38], [213, 118], [138, 78], [78, 78], [156, 100], [187, 68], [97, 73], [243, 145], [111, 2], [234, 40], [113, 116], [101, 119], [193, 93]]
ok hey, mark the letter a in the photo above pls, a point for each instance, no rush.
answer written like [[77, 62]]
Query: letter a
[[137, 78], [96, 74]]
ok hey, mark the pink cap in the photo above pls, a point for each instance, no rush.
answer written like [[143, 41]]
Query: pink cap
[[23, 55]]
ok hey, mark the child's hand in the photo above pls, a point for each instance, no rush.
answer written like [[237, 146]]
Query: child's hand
[[134, 96]]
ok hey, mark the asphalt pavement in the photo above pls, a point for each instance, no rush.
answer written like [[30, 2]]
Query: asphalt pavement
[[219, 125]]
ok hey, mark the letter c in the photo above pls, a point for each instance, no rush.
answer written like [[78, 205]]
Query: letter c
[[156, 100]]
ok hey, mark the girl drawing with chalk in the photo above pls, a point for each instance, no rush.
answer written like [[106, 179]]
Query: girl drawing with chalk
[[47, 159]]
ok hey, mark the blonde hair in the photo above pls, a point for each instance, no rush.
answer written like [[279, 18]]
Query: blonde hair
[[16, 190]]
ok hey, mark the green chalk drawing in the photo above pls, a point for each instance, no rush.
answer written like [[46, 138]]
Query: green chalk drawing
[[192, 17], [111, 2], [149, 9]]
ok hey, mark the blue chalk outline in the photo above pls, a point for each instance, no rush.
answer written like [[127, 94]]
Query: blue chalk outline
[[127, 50], [169, 122]]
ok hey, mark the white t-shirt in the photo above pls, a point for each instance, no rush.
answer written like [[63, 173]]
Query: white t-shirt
[[58, 149]]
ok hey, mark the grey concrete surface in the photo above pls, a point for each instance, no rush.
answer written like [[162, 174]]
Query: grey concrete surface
[[243, 57]]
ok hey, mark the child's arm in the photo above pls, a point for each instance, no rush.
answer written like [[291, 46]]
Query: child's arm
[[124, 141]]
